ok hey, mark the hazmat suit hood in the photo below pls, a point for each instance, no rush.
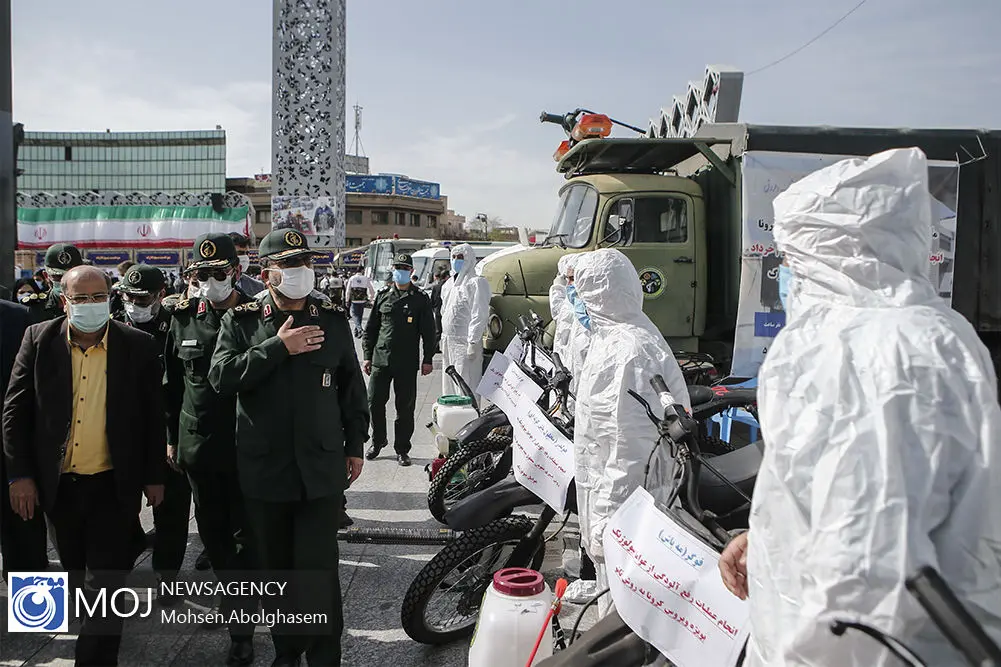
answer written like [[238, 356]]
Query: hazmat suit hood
[[613, 437], [878, 407], [860, 231], [468, 263], [571, 339]]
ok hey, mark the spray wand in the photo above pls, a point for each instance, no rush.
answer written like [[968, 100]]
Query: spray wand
[[561, 588]]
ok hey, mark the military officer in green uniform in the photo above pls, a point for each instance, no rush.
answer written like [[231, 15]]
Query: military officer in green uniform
[[142, 288], [201, 424], [59, 259], [401, 318], [302, 421]]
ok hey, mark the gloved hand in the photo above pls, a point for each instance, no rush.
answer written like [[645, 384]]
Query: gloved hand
[[560, 280], [472, 349]]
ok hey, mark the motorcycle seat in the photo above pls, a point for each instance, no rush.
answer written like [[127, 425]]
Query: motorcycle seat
[[741, 468]]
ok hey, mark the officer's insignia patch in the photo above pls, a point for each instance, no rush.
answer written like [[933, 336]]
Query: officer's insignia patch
[[202, 308], [135, 278], [253, 305], [182, 305], [293, 239], [326, 378], [64, 258], [207, 249], [163, 327], [313, 312], [267, 310]]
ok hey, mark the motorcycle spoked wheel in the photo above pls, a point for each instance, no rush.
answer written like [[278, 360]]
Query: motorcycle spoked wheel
[[443, 602], [472, 468]]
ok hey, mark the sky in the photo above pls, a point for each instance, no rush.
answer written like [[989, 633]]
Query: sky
[[452, 89]]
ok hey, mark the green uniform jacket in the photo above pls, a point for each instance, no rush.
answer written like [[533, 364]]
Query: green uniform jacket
[[299, 416], [43, 307], [200, 422], [399, 319], [156, 327]]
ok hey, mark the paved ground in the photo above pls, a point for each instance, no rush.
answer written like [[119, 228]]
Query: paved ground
[[374, 579]]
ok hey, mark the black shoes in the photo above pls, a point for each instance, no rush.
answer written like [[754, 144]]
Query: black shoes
[[286, 661], [373, 451], [403, 460], [165, 596], [241, 653], [203, 563]]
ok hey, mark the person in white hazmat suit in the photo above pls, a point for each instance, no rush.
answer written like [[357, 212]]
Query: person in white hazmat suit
[[613, 437], [570, 339], [880, 414], [465, 299]]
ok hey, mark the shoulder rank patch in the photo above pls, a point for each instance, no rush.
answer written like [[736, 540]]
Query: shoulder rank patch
[[177, 305], [249, 307], [267, 310], [326, 305], [202, 307]]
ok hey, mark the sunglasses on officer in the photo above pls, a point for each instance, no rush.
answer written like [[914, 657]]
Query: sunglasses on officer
[[201, 275], [293, 262]]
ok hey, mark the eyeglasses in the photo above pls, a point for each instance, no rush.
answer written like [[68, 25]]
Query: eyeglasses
[[294, 262], [201, 275], [140, 300], [78, 299]]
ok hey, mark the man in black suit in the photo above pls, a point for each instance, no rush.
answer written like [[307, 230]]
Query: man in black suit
[[23, 543], [98, 382]]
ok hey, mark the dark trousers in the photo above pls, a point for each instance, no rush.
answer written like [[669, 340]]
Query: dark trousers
[[23, 544], [357, 313], [222, 525], [171, 522], [94, 532], [296, 538], [404, 382]]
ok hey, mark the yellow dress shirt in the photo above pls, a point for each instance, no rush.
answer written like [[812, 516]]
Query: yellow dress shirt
[[87, 449]]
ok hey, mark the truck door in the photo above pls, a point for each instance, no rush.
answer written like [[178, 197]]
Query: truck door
[[657, 238]]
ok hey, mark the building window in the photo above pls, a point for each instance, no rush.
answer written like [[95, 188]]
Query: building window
[[401, 219], [68, 153], [380, 217], [264, 217], [353, 218], [433, 221], [353, 242], [415, 219]]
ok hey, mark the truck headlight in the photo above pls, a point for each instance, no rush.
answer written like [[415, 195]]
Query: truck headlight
[[495, 326]]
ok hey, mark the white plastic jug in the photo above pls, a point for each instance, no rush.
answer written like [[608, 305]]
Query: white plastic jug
[[451, 413], [513, 611]]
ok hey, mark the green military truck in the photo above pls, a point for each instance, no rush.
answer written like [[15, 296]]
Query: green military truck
[[694, 216]]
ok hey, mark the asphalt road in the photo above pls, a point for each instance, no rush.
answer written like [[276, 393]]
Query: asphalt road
[[374, 579]]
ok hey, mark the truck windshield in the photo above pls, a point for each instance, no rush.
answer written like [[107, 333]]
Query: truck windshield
[[574, 217], [420, 264]]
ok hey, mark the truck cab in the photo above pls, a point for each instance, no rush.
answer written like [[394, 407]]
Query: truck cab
[[616, 197]]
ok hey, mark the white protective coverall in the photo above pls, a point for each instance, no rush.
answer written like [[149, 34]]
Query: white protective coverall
[[465, 300], [613, 436], [571, 339], [879, 408]]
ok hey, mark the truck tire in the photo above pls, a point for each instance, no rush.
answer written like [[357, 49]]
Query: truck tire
[[472, 468], [460, 556]]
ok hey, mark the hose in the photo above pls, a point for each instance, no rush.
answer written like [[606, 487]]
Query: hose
[[561, 588], [576, 624]]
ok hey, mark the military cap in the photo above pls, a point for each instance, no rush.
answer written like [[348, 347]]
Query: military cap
[[142, 280], [404, 259], [213, 251], [282, 244], [62, 257]]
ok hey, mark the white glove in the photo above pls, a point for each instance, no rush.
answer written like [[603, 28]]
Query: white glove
[[560, 280], [472, 349]]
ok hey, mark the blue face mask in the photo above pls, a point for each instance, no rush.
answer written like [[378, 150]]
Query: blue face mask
[[579, 309], [402, 276], [785, 280], [89, 317], [57, 288], [457, 265]]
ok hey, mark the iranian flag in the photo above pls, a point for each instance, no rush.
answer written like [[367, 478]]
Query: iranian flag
[[125, 226]]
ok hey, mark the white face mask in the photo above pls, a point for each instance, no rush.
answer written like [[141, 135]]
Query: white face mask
[[296, 282], [216, 291], [140, 314], [244, 262]]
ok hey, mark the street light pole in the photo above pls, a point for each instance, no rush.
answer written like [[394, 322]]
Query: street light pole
[[8, 166]]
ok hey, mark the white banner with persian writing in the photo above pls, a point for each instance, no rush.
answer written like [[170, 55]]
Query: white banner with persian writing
[[764, 175], [667, 587], [542, 455]]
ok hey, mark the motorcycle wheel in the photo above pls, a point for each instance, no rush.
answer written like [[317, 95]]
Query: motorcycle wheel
[[472, 468], [443, 602]]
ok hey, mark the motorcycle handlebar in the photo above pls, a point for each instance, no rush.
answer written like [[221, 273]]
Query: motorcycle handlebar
[[551, 118]]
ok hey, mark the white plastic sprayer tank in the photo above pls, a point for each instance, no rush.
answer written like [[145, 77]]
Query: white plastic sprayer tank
[[513, 611], [449, 414]]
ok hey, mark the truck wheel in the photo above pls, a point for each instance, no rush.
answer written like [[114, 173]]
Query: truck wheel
[[472, 468], [443, 602]]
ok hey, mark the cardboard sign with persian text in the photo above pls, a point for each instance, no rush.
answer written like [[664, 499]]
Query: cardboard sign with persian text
[[667, 587]]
